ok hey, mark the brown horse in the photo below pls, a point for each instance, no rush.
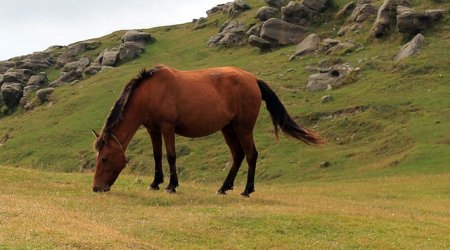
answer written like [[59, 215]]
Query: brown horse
[[192, 104]]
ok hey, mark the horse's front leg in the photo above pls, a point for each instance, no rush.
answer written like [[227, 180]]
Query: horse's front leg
[[168, 132], [157, 156]]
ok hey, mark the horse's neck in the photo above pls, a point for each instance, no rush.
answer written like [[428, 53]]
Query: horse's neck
[[126, 128]]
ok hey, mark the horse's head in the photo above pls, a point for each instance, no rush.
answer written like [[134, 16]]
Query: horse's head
[[110, 161]]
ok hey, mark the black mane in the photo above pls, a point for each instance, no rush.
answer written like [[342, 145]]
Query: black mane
[[116, 114]]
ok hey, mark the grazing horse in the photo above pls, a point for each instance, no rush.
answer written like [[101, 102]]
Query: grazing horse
[[196, 103]]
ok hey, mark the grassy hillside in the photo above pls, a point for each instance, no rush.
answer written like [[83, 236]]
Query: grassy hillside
[[42, 210], [402, 130]]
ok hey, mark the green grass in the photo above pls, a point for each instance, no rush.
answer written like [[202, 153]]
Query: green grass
[[406, 117], [387, 185], [56, 210], [407, 110]]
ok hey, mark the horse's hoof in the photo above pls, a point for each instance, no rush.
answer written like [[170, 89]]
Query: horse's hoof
[[245, 194], [153, 187], [221, 192], [170, 190]]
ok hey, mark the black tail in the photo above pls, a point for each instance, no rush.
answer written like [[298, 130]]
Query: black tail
[[281, 118]]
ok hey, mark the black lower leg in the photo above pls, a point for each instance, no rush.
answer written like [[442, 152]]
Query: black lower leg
[[157, 157], [173, 183], [229, 181], [158, 179], [250, 186]]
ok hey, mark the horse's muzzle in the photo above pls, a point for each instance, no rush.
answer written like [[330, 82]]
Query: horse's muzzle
[[101, 189]]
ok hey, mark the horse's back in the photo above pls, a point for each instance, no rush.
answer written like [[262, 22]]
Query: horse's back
[[204, 101]]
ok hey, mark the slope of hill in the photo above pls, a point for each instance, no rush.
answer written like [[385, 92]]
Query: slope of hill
[[393, 119]]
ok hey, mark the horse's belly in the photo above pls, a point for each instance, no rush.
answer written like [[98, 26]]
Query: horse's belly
[[202, 125]]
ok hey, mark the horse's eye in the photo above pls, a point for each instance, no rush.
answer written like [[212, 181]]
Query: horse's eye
[[104, 159]]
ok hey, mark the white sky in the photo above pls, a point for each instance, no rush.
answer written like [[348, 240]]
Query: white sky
[[34, 25]]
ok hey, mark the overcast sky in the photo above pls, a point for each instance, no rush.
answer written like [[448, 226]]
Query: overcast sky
[[34, 25]]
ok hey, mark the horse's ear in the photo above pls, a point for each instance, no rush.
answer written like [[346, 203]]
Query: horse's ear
[[95, 134]]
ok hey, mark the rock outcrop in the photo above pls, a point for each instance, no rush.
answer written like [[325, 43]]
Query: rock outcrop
[[130, 50], [383, 21], [221, 8], [411, 48], [309, 44], [327, 79], [260, 43], [412, 22], [75, 49], [137, 36], [21, 76], [304, 12], [232, 34], [38, 79], [16, 75], [233, 9], [266, 12], [5, 65], [280, 32], [44, 94], [93, 69], [11, 93], [363, 11], [237, 8], [274, 3], [200, 23], [346, 10]]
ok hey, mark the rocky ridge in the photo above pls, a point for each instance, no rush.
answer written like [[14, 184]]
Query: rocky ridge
[[23, 79]]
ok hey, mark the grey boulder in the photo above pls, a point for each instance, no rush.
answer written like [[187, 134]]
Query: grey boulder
[[317, 5], [265, 13], [411, 48], [346, 10], [80, 47], [330, 78], [309, 44], [254, 30], [29, 89], [200, 23], [412, 22], [15, 76], [79, 65], [70, 76], [363, 11], [38, 79], [304, 12], [93, 69], [6, 65], [274, 3], [232, 33], [44, 94], [137, 36], [279, 32], [237, 7], [11, 94], [219, 8], [130, 50], [260, 43], [383, 21], [109, 57], [297, 13]]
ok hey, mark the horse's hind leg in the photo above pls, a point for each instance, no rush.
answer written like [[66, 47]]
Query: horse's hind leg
[[157, 156], [251, 155], [169, 139], [238, 156]]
